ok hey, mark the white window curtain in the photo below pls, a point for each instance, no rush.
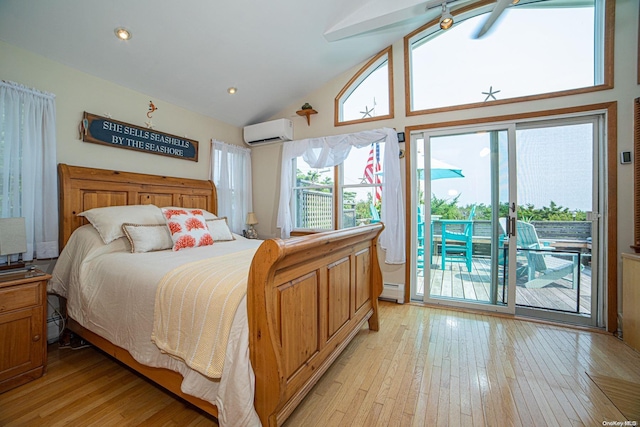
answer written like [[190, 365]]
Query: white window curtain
[[331, 151], [28, 186], [231, 173]]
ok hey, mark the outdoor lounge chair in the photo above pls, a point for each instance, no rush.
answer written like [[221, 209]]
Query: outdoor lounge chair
[[543, 265]]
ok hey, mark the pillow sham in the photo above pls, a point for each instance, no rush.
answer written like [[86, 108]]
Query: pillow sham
[[219, 229], [147, 237], [188, 228], [108, 221], [207, 215]]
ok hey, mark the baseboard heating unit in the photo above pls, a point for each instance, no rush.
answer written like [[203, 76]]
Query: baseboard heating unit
[[393, 292]]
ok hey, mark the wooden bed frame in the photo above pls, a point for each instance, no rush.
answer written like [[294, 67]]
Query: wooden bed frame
[[307, 296]]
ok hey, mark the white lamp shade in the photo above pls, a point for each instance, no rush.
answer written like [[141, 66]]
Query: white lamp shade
[[251, 218], [13, 236]]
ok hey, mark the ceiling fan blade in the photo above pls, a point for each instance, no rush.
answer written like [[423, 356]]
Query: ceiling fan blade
[[500, 6]]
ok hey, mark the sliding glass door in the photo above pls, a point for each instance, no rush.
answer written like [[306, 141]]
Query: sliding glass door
[[462, 182], [558, 222], [506, 218]]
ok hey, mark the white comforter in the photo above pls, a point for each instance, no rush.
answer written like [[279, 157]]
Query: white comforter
[[111, 292]]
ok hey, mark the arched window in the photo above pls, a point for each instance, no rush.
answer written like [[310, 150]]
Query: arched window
[[534, 50], [368, 96]]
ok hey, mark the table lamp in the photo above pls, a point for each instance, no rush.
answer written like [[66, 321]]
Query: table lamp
[[13, 240], [251, 220]]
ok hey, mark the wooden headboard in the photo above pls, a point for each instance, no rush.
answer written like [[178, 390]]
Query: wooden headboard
[[82, 188]]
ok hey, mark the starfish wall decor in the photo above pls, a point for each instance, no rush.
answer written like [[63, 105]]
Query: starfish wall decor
[[490, 94], [368, 111]]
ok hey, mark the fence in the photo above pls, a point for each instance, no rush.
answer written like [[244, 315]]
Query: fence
[[314, 210]]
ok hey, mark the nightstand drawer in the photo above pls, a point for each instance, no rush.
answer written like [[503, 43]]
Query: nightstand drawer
[[17, 297]]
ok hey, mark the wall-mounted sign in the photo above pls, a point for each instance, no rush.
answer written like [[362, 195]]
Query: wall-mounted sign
[[105, 131]]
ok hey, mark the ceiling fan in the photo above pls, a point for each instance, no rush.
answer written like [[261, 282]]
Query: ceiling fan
[[446, 19], [500, 6], [368, 18]]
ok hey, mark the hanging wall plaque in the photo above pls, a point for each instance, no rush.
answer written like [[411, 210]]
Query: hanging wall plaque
[[106, 131]]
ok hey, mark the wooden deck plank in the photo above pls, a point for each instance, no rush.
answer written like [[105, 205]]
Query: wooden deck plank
[[456, 282]]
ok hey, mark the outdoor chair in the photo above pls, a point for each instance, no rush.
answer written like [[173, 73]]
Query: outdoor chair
[[543, 266], [458, 246], [420, 258], [420, 246], [375, 216]]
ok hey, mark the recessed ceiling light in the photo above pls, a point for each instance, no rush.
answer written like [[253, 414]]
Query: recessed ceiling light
[[122, 33], [232, 90]]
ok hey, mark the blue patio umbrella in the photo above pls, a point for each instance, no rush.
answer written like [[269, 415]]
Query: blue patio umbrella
[[441, 170]]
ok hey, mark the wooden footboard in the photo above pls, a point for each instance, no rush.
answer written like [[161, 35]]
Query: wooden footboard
[[307, 298]]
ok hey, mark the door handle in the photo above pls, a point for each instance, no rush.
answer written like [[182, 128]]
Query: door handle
[[511, 227]]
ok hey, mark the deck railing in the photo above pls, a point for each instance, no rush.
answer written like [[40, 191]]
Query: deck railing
[[574, 235]]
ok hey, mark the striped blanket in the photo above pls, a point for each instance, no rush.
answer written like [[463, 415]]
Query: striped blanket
[[195, 306]]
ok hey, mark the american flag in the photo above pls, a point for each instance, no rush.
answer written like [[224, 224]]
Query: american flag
[[372, 169]]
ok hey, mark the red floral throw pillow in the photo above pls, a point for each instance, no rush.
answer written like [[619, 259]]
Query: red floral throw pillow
[[188, 228]]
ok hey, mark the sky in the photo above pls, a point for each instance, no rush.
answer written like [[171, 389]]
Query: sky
[[528, 51], [553, 163]]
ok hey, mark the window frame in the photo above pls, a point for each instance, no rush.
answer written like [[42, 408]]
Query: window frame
[[608, 68], [337, 190], [294, 206], [357, 79]]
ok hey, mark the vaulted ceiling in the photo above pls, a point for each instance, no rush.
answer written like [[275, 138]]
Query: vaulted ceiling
[[190, 52]]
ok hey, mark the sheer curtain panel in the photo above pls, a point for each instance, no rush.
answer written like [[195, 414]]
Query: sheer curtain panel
[[331, 151], [28, 186], [231, 173]]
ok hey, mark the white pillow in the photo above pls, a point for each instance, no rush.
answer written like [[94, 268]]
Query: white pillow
[[188, 228], [206, 214], [219, 229], [108, 221], [148, 237]]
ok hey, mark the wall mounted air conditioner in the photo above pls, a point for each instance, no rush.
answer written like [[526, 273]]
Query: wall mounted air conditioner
[[267, 132]]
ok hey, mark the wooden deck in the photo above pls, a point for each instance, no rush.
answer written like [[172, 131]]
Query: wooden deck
[[456, 282]]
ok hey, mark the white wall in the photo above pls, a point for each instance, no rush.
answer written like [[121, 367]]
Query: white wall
[[266, 178], [77, 92]]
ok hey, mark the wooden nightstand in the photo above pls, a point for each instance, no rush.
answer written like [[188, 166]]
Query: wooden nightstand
[[23, 329]]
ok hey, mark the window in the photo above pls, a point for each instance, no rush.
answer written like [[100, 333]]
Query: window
[[28, 184], [231, 173], [337, 151], [359, 188], [368, 96], [313, 197], [524, 56]]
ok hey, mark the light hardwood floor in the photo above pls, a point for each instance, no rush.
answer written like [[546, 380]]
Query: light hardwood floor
[[425, 367]]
